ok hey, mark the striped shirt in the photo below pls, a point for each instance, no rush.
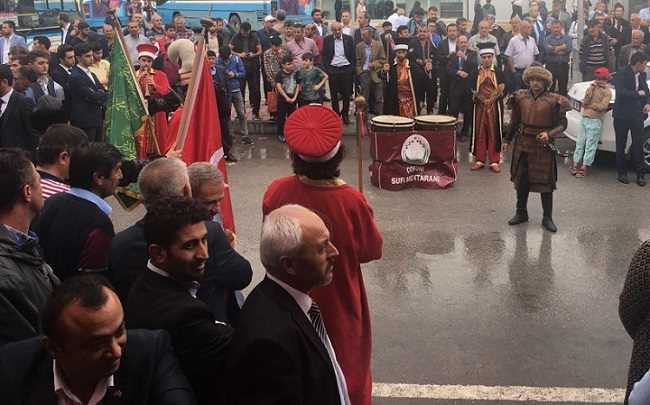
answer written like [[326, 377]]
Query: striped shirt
[[51, 185], [595, 54]]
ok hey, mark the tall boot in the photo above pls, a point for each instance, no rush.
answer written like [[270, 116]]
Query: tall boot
[[547, 206], [521, 215]]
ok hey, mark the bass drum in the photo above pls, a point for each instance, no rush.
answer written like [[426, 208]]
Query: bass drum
[[440, 131], [387, 132]]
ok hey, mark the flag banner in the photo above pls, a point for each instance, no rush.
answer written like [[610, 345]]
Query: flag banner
[[197, 129], [128, 125]]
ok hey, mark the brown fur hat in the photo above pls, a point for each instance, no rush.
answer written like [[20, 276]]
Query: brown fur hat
[[538, 72]]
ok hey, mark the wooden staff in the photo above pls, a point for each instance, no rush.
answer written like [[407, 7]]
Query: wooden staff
[[360, 109]]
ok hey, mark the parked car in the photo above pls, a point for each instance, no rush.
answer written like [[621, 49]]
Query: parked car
[[608, 139]]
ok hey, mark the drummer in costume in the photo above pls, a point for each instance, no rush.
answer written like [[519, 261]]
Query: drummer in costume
[[154, 84], [537, 118], [488, 87], [399, 89], [313, 134]]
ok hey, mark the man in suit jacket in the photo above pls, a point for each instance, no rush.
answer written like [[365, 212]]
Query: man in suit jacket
[[8, 40], [164, 297], [631, 108], [66, 61], [87, 353], [338, 62], [370, 61], [423, 57], [458, 70], [446, 50], [281, 352], [16, 128], [86, 96], [637, 45]]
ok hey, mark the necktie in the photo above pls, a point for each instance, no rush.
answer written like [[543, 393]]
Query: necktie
[[317, 321]]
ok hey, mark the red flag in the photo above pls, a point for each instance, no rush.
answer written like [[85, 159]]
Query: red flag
[[203, 135]]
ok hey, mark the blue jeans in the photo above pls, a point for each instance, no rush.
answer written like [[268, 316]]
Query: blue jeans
[[587, 142]]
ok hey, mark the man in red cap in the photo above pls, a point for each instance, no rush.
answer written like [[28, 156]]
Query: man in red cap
[[594, 107], [313, 134], [155, 86]]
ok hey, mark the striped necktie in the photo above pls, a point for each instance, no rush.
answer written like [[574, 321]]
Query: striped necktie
[[317, 322]]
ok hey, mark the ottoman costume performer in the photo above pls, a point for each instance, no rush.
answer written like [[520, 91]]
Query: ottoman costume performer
[[488, 87], [313, 134], [537, 117], [154, 85], [400, 94]]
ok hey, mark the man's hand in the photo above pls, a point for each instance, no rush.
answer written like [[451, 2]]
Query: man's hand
[[543, 137], [504, 148], [230, 237], [646, 108], [231, 74], [174, 154], [462, 74], [289, 99]]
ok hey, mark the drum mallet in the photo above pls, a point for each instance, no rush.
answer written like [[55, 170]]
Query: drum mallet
[[360, 112]]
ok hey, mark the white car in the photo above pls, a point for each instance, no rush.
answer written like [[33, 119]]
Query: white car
[[608, 139]]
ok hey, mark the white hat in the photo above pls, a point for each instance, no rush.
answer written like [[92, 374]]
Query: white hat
[[401, 47], [486, 51], [269, 18]]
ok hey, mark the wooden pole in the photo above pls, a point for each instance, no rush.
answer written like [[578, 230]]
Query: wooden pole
[[192, 92], [360, 112]]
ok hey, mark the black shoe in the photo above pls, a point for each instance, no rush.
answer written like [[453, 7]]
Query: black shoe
[[346, 120], [230, 158], [247, 140], [623, 179], [519, 218], [548, 224], [640, 180]]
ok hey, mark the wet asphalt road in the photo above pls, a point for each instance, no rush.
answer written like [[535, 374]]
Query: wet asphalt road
[[462, 298]]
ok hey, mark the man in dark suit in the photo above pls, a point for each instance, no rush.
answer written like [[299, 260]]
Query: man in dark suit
[[61, 71], [458, 70], [338, 61], [86, 96], [423, 57], [631, 108], [226, 270], [281, 352], [164, 297], [446, 50], [87, 354], [16, 109]]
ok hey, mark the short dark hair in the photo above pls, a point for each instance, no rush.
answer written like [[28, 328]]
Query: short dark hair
[[170, 27], [96, 46], [318, 170], [15, 171], [64, 17], [82, 49], [619, 5], [245, 26], [38, 53], [461, 20], [307, 56], [5, 74], [86, 289], [638, 57], [28, 73], [41, 39], [224, 51], [62, 50], [402, 28], [314, 11], [10, 23], [275, 40], [83, 25], [286, 59], [212, 53], [452, 25], [166, 216], [433, 8], [57, 139], [387, 24], [17, 51], [419, 12], [98, 157]]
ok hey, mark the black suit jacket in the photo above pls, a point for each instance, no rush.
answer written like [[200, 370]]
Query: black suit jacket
[[16, 128], [628, 105], [328, 51], [149, 374], [159, 302], [276, 357], [226, 270], [60, 76], [85, 100]]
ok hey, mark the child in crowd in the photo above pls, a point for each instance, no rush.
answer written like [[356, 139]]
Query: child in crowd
[[312, 81], [288, 91], [594, 107]]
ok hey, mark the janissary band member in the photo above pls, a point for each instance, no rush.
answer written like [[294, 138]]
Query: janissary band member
[[400, 92], [488, 87], [313, 134], [154, 84], [537, 117]]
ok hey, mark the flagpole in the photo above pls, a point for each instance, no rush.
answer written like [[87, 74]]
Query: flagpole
[[192, 93]]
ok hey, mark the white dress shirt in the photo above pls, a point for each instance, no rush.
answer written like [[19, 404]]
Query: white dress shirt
[[6, 45], [347, 30], [304, 301], [452, 46], [66, 397], [339, 59], [65, 32], [5, 101]]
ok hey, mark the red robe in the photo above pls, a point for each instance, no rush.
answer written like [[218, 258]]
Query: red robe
[[161, 88], [343, 303]]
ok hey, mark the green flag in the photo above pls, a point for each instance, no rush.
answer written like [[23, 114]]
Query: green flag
[[126, 116]]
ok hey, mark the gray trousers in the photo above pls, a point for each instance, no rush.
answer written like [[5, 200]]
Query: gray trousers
[[238, 103], [368, 87]]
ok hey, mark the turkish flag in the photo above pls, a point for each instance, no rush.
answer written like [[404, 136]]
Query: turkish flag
[[203, 134]]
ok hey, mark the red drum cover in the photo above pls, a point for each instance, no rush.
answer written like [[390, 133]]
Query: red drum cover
[[396, 176], [389, 146]]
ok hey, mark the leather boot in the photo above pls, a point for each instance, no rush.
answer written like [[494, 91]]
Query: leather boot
[[521, 215], [547, 206]]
